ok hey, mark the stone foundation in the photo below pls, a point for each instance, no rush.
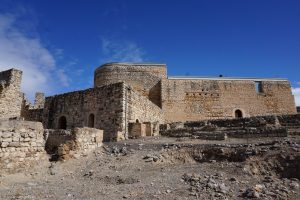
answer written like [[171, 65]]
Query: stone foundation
[[262, 126]]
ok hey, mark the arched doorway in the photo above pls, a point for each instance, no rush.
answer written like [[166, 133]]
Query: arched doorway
[[238, 114], [62, 122], [91, 120]]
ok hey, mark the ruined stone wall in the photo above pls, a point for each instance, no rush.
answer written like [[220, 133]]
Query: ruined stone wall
[[21, 143], [140, 108], [252, 127], [104, 103], [34, 112], [143, 78], [73, 142], [39, 100], [198, 99], [10, 95]]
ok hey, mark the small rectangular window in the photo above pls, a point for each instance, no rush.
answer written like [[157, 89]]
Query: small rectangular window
[[258, 87]]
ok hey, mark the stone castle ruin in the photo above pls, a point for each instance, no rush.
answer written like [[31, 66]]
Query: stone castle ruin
[[133, 99]]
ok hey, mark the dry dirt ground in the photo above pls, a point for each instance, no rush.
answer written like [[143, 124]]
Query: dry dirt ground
[[167, 168]]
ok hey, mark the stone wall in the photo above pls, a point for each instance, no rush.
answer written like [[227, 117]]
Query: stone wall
[[21, 143], [34, 112], [140, 108], [103, 106], [10, 95], [143, 78], [298, 109], [199, 99], [112, 107], [73, 142], [39, 101]]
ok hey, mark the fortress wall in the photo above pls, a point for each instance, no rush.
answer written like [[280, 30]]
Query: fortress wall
[[141, 109], [21, 143], [198, 99], [144, 78], [105, 103], [275, 99], [10, 95]]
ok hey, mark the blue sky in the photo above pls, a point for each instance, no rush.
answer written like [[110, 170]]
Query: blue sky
[[58, 44]]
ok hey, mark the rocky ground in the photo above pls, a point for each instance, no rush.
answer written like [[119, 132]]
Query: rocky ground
[[167, 168]]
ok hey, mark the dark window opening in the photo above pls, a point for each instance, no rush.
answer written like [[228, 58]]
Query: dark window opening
[[238, 114], [62, 123], [91, 121], [258, 87]]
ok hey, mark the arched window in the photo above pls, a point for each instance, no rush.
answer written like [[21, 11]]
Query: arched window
[[238, 114], [91, 121], [62, 122], [137, 121]]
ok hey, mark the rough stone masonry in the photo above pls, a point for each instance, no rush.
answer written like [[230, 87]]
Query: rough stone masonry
[[128, 93]]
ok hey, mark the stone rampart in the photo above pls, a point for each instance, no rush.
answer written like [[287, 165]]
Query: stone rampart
[[204, 99], [21, 143]]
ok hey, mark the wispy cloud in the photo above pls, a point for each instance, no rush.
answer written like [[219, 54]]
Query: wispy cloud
[[64, 79], [121, 51], [27, 53]]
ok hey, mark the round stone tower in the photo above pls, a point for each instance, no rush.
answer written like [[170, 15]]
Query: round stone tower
[[143, 78]]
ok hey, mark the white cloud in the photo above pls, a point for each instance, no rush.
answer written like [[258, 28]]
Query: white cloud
[[64, 79], [296, 92], [18, 50], [121, 51]]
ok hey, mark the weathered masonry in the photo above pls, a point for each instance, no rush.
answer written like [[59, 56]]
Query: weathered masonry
[[196, 98], [10, 93], [131, 99], [110, 108]]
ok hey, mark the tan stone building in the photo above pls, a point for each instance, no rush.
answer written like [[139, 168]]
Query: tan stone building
[[128, 98]]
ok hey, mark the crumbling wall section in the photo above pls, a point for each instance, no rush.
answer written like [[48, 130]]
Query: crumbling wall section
[[10, 95], [33, 112], [74, 142], [21, 144]]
